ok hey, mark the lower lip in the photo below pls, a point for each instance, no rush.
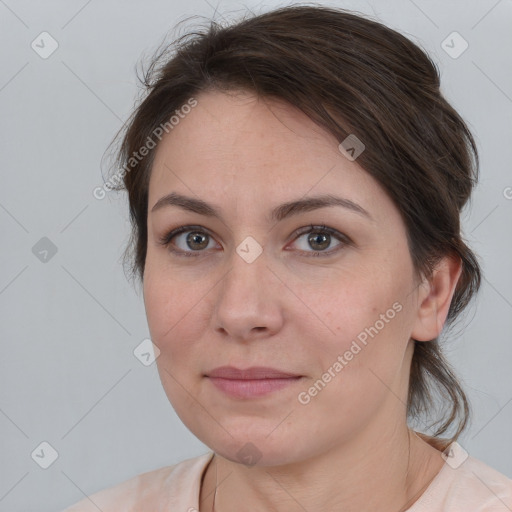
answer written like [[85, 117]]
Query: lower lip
[[251, 388]]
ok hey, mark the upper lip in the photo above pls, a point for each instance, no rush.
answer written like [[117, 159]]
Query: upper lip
[[252, 373]]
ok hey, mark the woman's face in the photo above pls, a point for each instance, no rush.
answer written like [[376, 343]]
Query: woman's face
[[335, 306]]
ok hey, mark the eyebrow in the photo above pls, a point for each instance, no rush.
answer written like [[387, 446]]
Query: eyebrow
[[279, 213]]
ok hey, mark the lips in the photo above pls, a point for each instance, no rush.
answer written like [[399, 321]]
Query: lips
[[253, 373], [251, 383]]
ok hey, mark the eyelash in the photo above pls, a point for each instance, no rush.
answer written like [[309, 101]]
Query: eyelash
[[165, 240]]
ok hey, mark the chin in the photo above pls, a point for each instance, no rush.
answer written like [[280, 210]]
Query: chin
[[258, 450]]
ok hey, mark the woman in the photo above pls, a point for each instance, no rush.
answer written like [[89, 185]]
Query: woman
[[295, 182]]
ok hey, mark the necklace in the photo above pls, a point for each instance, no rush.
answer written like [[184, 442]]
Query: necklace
[[215, 491]]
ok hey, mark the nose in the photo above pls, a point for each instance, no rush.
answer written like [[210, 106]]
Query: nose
[[249, 303]]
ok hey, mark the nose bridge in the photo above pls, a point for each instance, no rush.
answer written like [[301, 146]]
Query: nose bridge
[[246, 299], [244, 283]]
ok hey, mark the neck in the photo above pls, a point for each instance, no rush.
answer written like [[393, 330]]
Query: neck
[[349, 477]]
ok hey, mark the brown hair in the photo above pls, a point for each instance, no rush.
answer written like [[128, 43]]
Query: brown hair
[[351, 75]]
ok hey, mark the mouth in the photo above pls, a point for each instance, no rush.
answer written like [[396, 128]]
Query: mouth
[[252, 373], [251, 382]]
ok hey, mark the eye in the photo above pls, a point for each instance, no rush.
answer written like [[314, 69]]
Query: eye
[[190, 240], [319, 238], [194, 240]]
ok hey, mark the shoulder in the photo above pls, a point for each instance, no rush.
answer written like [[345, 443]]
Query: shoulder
[[155, 490], [467, 483], [482, 485]]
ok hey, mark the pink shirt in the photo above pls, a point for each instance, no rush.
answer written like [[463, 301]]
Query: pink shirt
[[464, 484]]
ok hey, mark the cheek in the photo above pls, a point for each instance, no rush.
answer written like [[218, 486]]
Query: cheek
[[168, 300], [168, 315], [365, 319], [358, 366], [351, 301], [172, 316], [177, 316]]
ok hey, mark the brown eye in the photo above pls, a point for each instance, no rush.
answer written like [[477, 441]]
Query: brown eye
[[197, 241], [187, 241], [318, 240]]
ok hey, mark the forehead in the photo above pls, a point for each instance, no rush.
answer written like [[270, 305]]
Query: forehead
[[245, 129], [238, 147]]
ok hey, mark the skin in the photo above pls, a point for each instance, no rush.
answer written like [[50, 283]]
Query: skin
[[290, 311]]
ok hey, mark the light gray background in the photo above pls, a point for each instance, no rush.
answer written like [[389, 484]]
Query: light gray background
[[69, 326]]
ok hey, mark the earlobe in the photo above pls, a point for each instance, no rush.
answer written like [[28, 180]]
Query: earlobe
[[434, 299]]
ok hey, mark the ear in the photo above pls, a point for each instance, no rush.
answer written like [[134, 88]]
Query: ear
[[434, 298]]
